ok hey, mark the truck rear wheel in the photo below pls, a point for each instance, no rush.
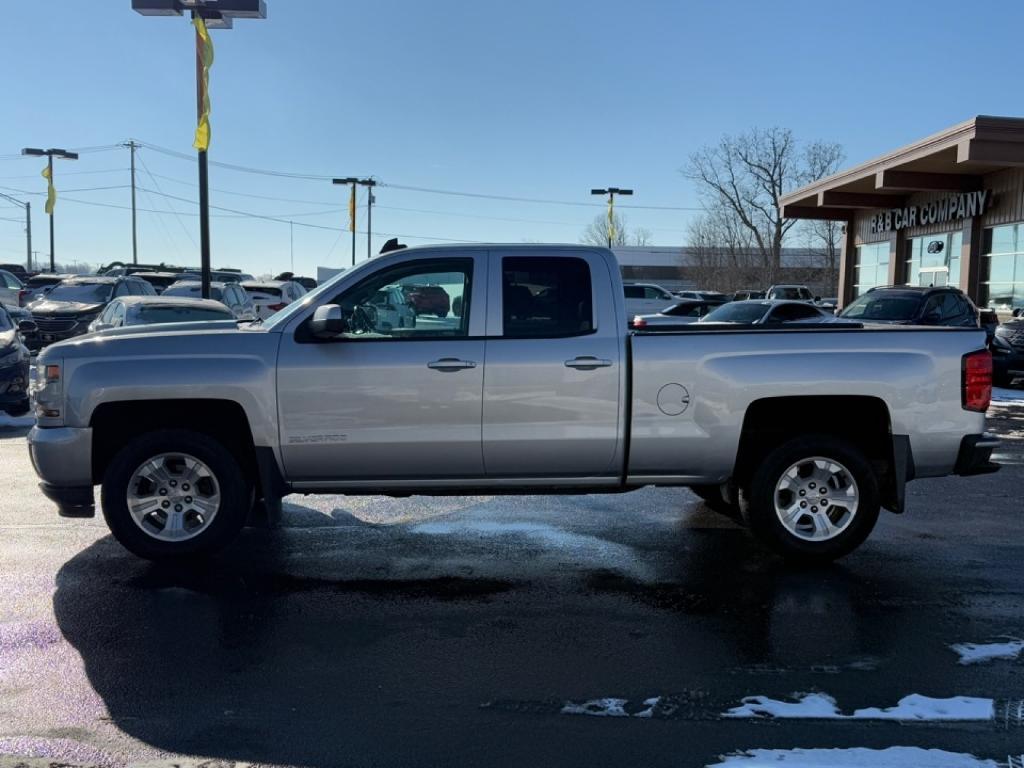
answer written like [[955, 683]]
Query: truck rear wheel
[[175, 493], [813, 499]]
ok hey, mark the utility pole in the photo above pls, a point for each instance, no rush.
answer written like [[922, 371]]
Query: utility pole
[[611, 192], [352, 181], [291, 244], [369, 184], [28, 227], [132, 146]]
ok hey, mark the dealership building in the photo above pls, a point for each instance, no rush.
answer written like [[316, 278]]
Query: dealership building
[[945, 210]]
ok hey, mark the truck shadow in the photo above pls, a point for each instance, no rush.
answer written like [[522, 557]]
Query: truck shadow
[[279, 652]]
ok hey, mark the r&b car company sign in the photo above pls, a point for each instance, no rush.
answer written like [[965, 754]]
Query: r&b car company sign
[[949, 208]]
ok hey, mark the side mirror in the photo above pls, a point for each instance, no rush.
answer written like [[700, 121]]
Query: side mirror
[[327, 322], [817, 299], [27, 326]]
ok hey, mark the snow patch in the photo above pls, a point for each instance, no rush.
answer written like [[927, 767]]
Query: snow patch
[[597, 708], [857, 757], [823, 707], [979, 653], [650, 703]]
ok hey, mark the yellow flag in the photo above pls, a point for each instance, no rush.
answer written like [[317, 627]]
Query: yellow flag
[[352, 210], [611, 221], [51, 193], [202, 139]]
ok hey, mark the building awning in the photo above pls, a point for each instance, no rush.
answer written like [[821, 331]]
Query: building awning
[[953, 160]]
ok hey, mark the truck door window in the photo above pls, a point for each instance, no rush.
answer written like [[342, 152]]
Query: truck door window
[[546, 297], [416, 300]]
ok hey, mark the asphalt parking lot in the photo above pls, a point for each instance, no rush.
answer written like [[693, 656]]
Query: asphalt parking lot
[[541, 631]]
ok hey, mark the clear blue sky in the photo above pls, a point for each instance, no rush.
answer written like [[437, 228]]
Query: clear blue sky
[[536, 99]]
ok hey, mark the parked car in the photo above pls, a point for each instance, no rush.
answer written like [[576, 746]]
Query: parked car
[[271, 295], [914, 305], [306, 282], [812, 428], [11, 289], [646, 298], [17, 270], [1008, 352], [767, 312], [160, 281], [154, 310], [428, 299], [70, 306], [790, 293], [828, 302], [747, 295], [39, 285], [388, 309], [231, 295], [680, 313], [709, 296], [14, 365], [217, 275]]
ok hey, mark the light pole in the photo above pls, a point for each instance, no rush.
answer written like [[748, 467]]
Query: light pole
[[51, 194], [369, 184], [611, 192], [132, 146], [28, 228], [214, 14], [351, 210]]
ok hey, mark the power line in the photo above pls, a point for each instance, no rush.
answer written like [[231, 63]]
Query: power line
[[160, 192], [68, 173]]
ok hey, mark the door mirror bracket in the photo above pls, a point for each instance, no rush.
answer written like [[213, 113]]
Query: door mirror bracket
[[327, 322]]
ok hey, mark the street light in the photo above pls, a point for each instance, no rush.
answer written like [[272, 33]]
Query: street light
[[50, 193], [28, 227], [216, 14], [611, 192]]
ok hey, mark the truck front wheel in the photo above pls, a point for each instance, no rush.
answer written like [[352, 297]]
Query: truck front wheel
[[175, 493], [813, 499]]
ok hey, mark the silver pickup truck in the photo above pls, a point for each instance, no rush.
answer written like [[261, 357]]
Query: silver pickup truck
[[524, 380]]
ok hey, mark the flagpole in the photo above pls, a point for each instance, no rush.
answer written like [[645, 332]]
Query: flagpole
[[352, 221], [204, 191], [49, 167]]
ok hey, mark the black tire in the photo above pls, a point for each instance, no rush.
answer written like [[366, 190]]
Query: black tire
[[711, 495], [235, 491], [20, 409], [757, 500]]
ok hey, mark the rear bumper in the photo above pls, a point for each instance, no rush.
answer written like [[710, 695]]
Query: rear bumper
[[975, 457]]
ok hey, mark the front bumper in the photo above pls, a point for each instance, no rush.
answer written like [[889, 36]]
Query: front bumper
[[62, 457], [14, 381], [1007, 363], [975, 457]]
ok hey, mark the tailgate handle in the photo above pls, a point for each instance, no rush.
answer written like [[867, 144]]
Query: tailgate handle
[[448, 364], [588, 363]]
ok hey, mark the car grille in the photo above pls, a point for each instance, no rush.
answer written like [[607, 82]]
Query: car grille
[[1017, 339], [55, 324]]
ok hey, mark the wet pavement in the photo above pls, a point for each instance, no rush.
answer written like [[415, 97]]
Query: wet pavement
[[540, 631]]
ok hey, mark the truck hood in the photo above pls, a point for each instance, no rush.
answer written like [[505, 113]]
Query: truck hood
[[45, 307], [216, 337]]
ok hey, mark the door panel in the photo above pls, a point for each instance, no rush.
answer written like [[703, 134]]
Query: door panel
[[552, 405], [385, 402]]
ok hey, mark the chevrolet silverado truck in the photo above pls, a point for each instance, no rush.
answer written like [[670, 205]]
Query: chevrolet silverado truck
[[530, 383]]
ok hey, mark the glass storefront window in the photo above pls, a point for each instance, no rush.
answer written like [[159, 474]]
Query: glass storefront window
[[872, 267], [940, 265], [1002, 268]]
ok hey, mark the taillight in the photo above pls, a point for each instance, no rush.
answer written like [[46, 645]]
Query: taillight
[[976, 381], [21, 297], [275, 307], [639, 322]]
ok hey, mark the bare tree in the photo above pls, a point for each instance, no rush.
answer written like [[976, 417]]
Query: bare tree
[[824, 237], [597, 231], [747, 174], [723, 255]]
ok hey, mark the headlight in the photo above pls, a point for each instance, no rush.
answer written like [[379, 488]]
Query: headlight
[[1000, 341]]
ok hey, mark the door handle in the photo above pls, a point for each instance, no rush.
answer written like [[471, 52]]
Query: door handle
[[588, 363], [449, 364]]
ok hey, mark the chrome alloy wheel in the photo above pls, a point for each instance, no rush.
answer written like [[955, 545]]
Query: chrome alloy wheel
[[816, 499], [173, 497]]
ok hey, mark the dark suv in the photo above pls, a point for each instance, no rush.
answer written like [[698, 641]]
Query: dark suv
[[69, 307], [913, 305], [1008, 352], [428, 299]]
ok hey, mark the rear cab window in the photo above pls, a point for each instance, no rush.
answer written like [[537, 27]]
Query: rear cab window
[[546, 297]]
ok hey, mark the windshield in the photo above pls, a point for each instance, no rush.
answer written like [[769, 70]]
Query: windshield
[[42, 280], [193, 290], [737, 312], [883, 308], [172, 314], [683, 309], [84, 293], [791, 294]]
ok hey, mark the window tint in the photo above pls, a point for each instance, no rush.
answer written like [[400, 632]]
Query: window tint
[[685, 310], [117, 319], [416, 300], [633, 292], [793, 312], [545, 297]]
